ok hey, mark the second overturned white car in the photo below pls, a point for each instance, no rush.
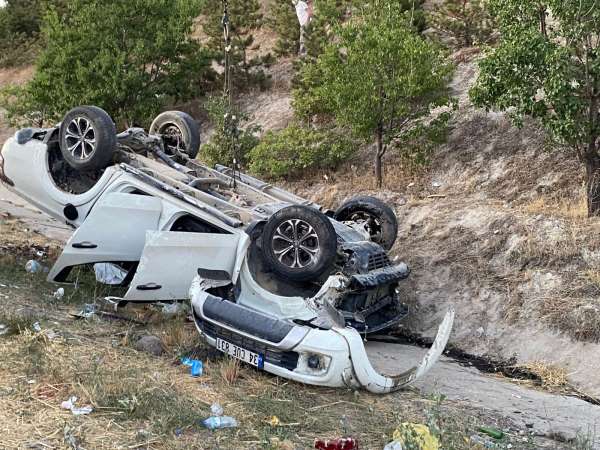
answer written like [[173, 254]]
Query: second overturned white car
[[274, 280]]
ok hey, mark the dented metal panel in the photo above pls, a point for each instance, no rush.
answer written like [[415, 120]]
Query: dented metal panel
[[171, 260]]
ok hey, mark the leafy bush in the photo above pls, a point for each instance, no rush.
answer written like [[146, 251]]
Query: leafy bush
[[133, 73], [295, 150], [230, 140]]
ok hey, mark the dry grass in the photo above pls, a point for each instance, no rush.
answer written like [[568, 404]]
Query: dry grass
[[551, 376], [230, 371], [567, 208]]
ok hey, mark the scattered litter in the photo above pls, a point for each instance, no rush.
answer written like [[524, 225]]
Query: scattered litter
[[60, 293], [393, 446], [171, 309], [40, 254], [110, 274], [274, 421], [418, 433], [216, 409], [89, 310], [37, 327], [196, 369], [3, 285], [178, 432], [3, 329], [77, 411], [492, 432], [337, 444], [411, 184], [483, 442], [436, 184], [217, 422], [35, 267]]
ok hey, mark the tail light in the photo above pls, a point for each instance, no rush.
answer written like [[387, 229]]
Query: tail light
[[3, 177]]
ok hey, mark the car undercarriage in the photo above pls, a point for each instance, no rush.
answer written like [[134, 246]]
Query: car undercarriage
[[274, 280]]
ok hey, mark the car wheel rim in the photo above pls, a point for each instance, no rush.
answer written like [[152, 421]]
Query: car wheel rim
[[173, 137], [296, 244], [81, 138]]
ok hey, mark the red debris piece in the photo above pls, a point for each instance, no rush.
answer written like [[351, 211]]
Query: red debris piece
[[336, 444]]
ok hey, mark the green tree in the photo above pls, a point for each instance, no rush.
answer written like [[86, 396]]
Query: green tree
[[295, 150], [108, 53], [283, 21], [379, 77], [466, 22], [549, 70], [245, 18]]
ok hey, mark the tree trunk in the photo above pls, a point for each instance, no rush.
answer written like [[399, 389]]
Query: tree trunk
[[592, 181], [379, 157]]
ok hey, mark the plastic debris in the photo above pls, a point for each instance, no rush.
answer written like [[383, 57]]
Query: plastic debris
[[37, 327], [418, 433], [172, 309], [483, 442], [77, 411], [393, 446], [196, 369], [216, 409], [492, 432], [110, 274], [89, 310], [217, 422], [336, 444], [34, 267], [304, 13], [436, 184], [3, 329], [60, 293]]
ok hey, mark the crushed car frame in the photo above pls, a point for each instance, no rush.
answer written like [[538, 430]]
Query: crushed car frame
[[274, 280]]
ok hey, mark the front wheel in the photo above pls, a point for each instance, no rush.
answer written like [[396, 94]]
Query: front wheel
[[377, 218], [299, 243], [179, 131], [88, 138]]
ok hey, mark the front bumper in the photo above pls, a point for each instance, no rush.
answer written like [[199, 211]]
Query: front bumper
[[341, 355]]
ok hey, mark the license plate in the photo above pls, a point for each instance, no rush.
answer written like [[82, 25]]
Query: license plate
[[254, 359]]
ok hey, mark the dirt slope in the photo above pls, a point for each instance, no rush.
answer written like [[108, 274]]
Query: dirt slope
[[496, 227]]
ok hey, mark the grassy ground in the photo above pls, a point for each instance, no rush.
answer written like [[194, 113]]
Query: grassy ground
[[141, 401]]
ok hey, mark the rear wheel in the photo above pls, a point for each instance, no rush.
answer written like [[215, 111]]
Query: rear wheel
[[88, 138], [377, 217], [299, 243], [179, 131]]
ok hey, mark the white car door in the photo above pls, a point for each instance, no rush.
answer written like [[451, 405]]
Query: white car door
[[171, 260], [114, 231]]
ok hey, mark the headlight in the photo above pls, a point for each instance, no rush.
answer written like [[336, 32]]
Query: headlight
[[313, 364]]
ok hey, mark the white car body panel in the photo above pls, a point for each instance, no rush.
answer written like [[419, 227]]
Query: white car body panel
[[111, 233], [171, 259], [38, 188]]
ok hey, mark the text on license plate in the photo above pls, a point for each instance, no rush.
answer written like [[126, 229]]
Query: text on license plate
[[254, 359]]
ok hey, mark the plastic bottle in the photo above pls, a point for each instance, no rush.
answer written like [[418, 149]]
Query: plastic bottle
[[485, 443], [33, 266], [217, 422]]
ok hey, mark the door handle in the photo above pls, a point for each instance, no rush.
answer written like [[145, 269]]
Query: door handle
[[85, 245], [149, 287]]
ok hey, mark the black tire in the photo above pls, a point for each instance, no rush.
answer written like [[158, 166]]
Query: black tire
[[381, 221], [88, 138], [179, 129], [299, 243]]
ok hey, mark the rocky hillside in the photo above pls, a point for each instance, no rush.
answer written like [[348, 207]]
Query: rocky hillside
[[495, 227]]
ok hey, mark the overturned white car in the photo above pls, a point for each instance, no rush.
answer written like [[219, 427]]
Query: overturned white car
[[274, 280]]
